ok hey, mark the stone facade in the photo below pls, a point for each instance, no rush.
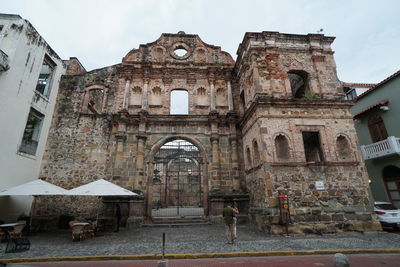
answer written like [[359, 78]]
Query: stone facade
[[247, 120], [274, 127]]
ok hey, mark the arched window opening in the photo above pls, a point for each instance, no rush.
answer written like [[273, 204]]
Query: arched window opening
[[377, 129], [282, 147], [249, 162], [95, 101], [391, 177], [135, 97], [155, 97], [179, 102], [256, 153], [343, 148], [202, 99], [298, 83], [221, 97]]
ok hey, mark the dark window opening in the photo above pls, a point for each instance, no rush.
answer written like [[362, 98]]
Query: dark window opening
[[298, 83], [242, 98], [30, 139], [249, 162], [377, 129], [45, 76], [312, 146], [256, 153], [351, 93]]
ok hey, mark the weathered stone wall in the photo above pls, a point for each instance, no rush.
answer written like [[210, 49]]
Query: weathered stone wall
[[276, 120], [245, 121], [110, 123]]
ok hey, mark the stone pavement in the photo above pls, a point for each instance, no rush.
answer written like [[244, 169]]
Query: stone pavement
[[192, 240], [363, 260]]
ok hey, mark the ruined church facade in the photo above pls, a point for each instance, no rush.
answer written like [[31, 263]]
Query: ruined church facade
[[274, 122]]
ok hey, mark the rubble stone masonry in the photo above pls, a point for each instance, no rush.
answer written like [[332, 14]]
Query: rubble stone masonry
[[273, 122]]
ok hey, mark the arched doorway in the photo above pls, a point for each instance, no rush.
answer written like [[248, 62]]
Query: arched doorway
[[391, 177], [177, 188]]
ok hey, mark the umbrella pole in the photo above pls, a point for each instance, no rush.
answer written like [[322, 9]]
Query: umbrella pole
[[97, 215], [31, 213]]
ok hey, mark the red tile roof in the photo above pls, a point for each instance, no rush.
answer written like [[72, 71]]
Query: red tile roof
[[380, 103], [391, 77], [359, 85]]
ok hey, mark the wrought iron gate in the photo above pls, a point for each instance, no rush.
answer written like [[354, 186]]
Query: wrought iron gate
[[177, 181]]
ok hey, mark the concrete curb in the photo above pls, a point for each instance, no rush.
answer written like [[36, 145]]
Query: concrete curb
[[200, 255]]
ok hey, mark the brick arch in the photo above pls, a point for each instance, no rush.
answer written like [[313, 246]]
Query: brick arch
[[160, 142], [149, 161]]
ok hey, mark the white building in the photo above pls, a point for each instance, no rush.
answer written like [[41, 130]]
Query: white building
[[30, 72]]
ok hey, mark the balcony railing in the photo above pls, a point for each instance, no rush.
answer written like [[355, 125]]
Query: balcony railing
[[387, 147], [3, 61]]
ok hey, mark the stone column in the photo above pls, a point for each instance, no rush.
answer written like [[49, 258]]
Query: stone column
[[149, 189], [230, 97], [120, 137], [212, 91], [204, 174], [235, 163], [125, 102], [215, 157], [234, 174], [144, 98], [140, 175]]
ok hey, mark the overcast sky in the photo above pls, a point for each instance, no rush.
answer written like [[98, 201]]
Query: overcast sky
[[99, 33]]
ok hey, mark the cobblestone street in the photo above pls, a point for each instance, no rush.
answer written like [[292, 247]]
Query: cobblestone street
[[192, 239]]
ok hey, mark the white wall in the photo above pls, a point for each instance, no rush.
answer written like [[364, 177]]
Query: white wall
[[26, 50]]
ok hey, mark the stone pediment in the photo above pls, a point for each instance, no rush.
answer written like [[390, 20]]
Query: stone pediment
[[179, 48]]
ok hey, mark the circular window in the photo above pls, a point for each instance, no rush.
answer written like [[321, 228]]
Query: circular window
[[180, 52]]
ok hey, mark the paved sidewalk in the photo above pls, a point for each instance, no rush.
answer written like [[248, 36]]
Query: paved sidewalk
[[192, 240], [363, 260]]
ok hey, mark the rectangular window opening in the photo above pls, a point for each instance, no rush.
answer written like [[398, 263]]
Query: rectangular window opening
[[312, 147], [45, 76], [30, 139]]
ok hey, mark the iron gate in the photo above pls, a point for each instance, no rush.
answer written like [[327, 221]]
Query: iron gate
[[177, 181]]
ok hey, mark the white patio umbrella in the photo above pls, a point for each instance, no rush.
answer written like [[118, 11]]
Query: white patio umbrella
[[34, 188], [100, 188]]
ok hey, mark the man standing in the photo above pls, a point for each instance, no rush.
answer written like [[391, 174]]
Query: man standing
[[228, 214]]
